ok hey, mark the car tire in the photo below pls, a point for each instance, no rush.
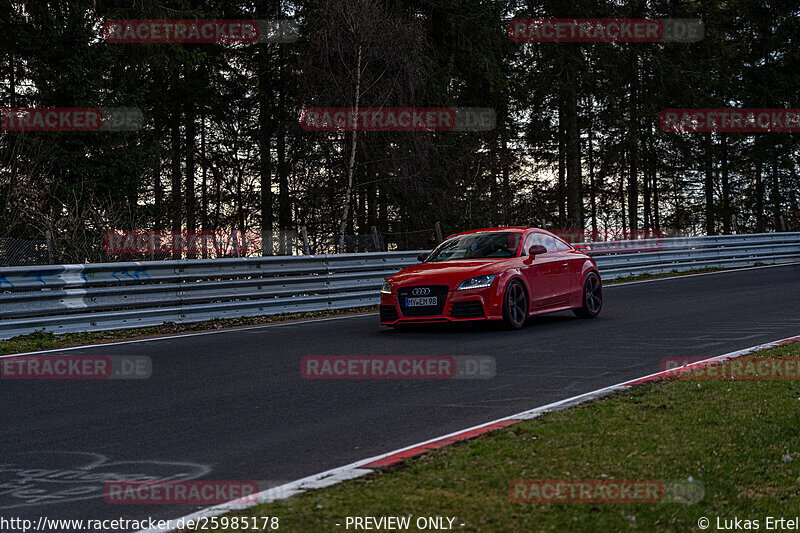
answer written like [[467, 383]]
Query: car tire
[[515, 305], [592, 300]]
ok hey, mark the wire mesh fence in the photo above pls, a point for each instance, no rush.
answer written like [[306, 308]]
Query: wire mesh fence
[[147, 245], [159, 245], [423, 239], [23, 252], [374, 241]]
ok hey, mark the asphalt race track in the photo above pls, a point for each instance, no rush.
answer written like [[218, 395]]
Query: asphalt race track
[[233, 406]]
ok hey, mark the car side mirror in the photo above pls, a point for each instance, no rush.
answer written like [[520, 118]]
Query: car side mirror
[[536, 249], [422, 257]]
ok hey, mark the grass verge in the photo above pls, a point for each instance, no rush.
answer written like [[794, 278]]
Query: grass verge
[[673, 274], [43, 340], [738, 438]]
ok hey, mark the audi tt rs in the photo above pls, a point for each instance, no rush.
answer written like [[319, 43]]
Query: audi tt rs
[[501, 274]]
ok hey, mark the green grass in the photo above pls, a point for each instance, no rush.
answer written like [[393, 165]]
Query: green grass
[[673, 274], [731, 436]]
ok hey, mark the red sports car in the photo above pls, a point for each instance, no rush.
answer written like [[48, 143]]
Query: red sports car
[[506, 274]]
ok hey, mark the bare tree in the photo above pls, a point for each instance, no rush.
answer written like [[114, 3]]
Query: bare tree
[[348, 58]]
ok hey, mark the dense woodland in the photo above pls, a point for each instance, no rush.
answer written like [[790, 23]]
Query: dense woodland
[[577, 142]]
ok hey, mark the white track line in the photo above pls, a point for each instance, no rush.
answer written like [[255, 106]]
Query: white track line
[[360, 315], [357, 469]]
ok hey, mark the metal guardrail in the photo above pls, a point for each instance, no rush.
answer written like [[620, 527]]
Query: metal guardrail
[[106, 296]]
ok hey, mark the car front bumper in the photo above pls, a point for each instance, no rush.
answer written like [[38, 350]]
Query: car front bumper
[[459, 306]]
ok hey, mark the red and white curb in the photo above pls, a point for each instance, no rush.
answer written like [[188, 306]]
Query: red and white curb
[[367, 466]]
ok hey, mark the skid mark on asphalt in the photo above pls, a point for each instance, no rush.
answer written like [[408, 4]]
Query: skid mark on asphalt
[[56, 477]]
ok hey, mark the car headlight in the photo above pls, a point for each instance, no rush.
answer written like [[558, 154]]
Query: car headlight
[[386, 288], [480, 282]]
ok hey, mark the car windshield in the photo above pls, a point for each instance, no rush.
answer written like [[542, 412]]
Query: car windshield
[[477, 246]]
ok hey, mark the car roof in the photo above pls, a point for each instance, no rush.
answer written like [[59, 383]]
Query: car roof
[[506, 229]]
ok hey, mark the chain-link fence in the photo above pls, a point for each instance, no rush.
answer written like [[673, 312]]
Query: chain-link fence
[[22, 252], [374, 241], [159, 245]]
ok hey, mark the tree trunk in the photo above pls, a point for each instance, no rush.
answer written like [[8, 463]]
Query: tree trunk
[[759, 197], [372, 208], [622, 203], [240, 201], [633, 183], [504, 161], [361, 211], [177, 204], [284, 201], [726, 193], [633, 193], [12, 87], [352, 162], [158, 189], [191, 201], [776, 197], [494, 187], [573, 152], [592, 185], [709, 185], [646, 198], [654, 178], [204, 191], [265, 133], [561, 193]]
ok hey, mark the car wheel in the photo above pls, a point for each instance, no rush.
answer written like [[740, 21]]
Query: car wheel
[[592, 297], [515, 305]]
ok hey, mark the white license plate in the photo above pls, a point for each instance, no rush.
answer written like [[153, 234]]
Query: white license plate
[[422, 301]]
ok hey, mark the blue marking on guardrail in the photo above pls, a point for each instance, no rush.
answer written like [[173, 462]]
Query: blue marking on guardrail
[[37, 275], [4, 279], [137, 274], [123, 272]]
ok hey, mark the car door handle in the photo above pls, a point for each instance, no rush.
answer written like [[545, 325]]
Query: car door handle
[[565, 265]]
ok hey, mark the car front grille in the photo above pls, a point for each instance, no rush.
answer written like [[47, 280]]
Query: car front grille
[[467, 310], [440, 291]]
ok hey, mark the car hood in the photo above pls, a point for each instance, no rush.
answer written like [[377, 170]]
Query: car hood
[[450, 273]]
